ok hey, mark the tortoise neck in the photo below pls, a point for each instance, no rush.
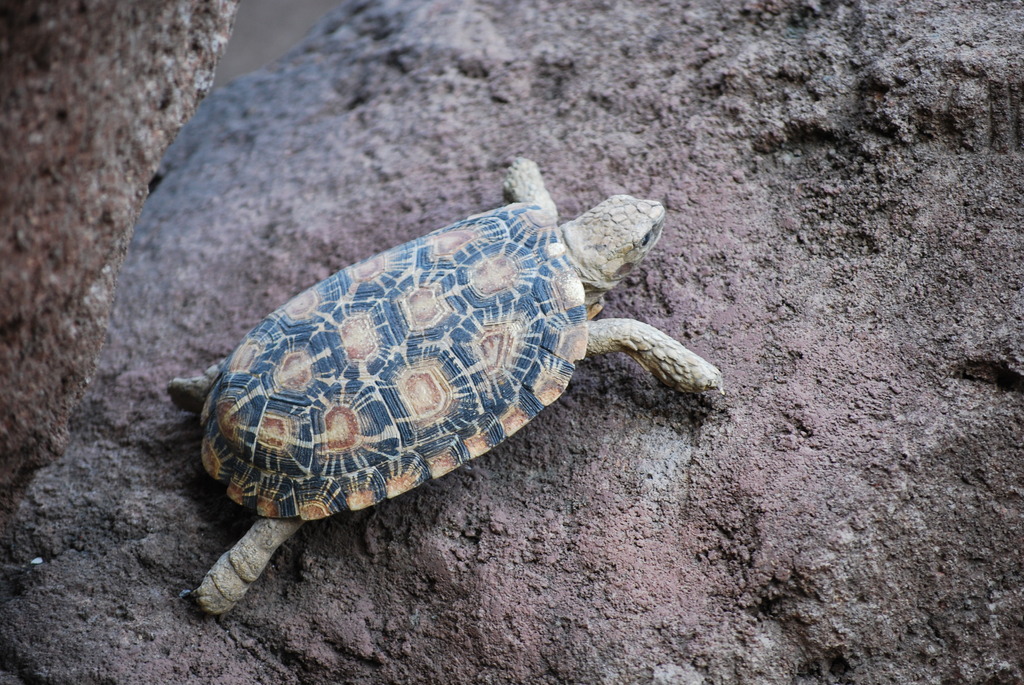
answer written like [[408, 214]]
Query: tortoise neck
[[595, 283]]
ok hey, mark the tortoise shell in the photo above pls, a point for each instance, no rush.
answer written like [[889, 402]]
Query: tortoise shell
[[397, 369]]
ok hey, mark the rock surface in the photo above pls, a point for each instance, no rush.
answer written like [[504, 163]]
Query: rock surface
[[91, 95], [843, 184]]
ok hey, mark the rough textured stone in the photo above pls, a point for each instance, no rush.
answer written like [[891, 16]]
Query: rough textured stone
[[843, 184], [91, 95]]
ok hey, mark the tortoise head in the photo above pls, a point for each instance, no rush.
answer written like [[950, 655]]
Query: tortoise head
[[605, 243]]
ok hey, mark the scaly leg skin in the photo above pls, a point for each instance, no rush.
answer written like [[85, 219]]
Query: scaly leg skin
[[665, 357], [523, 183], [190, 393], [240, 566]]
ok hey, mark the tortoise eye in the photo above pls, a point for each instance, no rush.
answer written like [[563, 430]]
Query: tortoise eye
[[647, 238]]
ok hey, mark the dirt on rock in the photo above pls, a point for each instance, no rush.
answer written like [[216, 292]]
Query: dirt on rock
[[844, 191]]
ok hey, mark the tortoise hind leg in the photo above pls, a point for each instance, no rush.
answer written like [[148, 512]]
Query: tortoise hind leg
[[523, 183], [240, 566], [665, 357], [190, 393]]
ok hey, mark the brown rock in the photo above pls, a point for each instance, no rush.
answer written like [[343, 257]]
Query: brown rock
[[91, 95], [843, 186]]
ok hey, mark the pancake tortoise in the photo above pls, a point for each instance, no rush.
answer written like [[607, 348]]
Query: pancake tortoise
[[408, 364]]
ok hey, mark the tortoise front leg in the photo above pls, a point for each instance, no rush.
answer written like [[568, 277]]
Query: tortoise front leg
[[523, 183], [190, 393], [240, 566], [665, 357]]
